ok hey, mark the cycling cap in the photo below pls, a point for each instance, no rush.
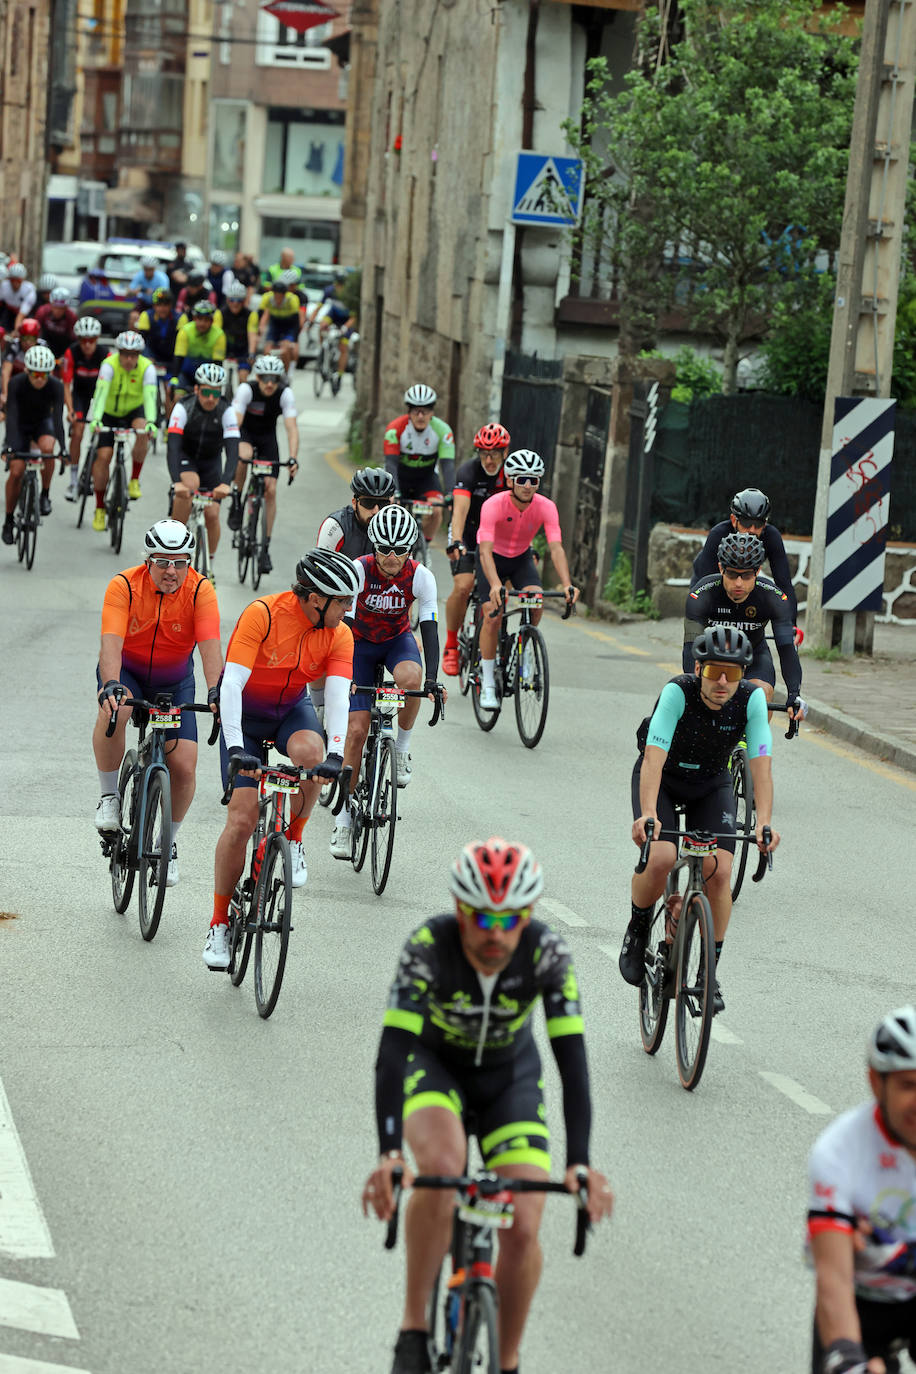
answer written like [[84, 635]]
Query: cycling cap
[[893, 1045], [87, 328], [742, 551], [235, 291], [420, 395], [59, 296], [168, 537], [149, 261], [210, 374], [524, 462], [723, 644], [492, 436], [495, 875], [218, 258], [197, 275], [130, 341], [751, 505], [47, 281], [16, 269], [393, 527], [373, 482], [162, 296], [203, 308], [30, 326], [329, 572], [269, 365], [39, 359]]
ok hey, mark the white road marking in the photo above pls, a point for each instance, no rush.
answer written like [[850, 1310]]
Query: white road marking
[[17, 1364], [724, 1035], [797, 1094], [559, 912], [24, 1232], [45, 1311], [612, 951]]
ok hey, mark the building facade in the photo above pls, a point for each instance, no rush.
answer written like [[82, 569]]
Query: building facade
[[25, 40]]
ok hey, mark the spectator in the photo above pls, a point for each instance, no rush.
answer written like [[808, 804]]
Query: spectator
[[178, 269], [95, 287]]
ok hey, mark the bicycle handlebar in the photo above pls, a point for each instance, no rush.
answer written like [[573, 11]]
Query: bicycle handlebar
[[438, 708], [792, 731], [290, 463], [124, 700], [764, 862], [293, 771], [554, 596]]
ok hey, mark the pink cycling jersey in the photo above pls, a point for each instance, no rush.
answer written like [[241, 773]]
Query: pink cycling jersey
[[511, 530]]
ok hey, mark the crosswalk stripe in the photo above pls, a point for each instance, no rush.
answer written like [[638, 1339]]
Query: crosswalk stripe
[[45, 1311], [18, 1364], [24, 1232]]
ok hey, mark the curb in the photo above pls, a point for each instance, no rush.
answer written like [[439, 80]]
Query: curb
[[862, 735]]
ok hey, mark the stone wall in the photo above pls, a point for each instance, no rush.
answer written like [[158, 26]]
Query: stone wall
[[25, 36]]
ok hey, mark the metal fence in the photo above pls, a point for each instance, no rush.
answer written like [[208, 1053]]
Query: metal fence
[[532, 401]]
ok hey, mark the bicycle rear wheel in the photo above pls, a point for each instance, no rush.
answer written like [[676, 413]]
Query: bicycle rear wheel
[[653, 1003], [478, 1348], [242, 541], [258, 529], [532, 686], [695, 989], [117, 505], [745, 814], [465, 648], [274, 910], [122, 871], [384, 814], [241, 934], [84, 483], [28, 522], [154, 859]]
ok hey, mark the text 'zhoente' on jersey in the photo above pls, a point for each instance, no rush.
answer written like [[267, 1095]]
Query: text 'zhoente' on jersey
[[708, 603]]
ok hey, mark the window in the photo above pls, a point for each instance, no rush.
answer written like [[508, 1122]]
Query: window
[[228, 159], [303, 154], [279, 46], [153, 102]]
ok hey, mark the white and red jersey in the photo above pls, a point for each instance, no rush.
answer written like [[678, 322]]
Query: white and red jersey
[[511, 530], [381, 607], [862, 1180]]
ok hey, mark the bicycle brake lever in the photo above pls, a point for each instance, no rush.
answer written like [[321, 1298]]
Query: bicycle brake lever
[[214, 733], [343, 789]]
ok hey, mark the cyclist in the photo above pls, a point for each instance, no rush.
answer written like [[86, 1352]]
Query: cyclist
[[198, 289], [347, 529], [145, 282], [198, 430], [684, 748], [201, 340], [46, 284], [332, 310], [17, 297], [95, 289], [389, 582], [258, 404], [220, 275], [474, 483], [508, 523], [34, 419], [281, 315], [13, 359], [414, 443], [159, 326], [749, 514], [125, 397], [285, 267], [80, 367], [56, 321], [458, 1055], [862, 1214], [240, 325], [279, 645], [152, 617], [738, 596]]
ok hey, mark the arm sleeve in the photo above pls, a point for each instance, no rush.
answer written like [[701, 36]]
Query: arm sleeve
[[569, 1053], [391, 465], [235, 675], [336, 711], [150, 394], [116, 607], [779, 567], [206, 612], [668, 711], [241, 400], [759, 736], [429, 633], [230, 443], [339, 659], [173, 453], [100, 395], [447, 469], [288, 404], [330, 535], [13, 439], [407, 1007], [784, 637], [390, 1072], [694, 624]]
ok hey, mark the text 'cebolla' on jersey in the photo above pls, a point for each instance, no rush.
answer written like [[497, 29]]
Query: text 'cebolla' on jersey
[[381, 607]]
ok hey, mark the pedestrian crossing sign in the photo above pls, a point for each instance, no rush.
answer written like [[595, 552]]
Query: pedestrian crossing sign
[[548, 190]]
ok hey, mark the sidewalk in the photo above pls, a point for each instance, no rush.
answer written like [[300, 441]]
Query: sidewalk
[[868, 702]]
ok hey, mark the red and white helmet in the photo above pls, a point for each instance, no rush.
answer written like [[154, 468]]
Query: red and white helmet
[[495, 875], [492, 436]]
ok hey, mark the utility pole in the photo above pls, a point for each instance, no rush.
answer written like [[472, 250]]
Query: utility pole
[[862, 340]]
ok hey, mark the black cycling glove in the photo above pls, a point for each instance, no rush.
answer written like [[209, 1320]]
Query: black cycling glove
[[845, 1357], [330, 767], [111, 689]]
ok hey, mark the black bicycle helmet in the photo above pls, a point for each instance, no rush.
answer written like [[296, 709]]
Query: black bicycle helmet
[[327, 572], [723, 644], [742, 551], [751, 505], [375, 482]]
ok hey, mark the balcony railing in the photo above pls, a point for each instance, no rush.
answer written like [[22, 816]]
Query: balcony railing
[[158, 150]]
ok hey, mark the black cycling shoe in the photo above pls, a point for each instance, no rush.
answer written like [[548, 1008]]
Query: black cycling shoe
[[44, 504], [632, 961], [718, 1002], [411, 1353], [7, 532], [234, 518], [264, 563]]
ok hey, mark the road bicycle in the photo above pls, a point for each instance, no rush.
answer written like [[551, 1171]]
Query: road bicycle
[[250, 540], [374, 800], [420, 551], [116, 498], [84, 489], [745, 809], [142, 846], [197, 524], [26, 517], [521, 669], [462, 1318], [680, 949], [327, 363]]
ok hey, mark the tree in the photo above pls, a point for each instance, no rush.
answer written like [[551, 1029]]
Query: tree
[[732, 153]]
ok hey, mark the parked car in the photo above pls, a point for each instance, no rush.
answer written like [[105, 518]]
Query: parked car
[[70, 262], [120, 260]]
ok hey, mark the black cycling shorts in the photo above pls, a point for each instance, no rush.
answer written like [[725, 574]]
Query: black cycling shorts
[[265, 441], [521, 571], [882, 1324], [502, 1106], [209, 470], [112, 422], [280, 729], [710, 803], [418, 484], [762, 665]]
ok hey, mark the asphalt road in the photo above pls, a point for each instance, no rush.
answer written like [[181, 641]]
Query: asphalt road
[[196, 1172]]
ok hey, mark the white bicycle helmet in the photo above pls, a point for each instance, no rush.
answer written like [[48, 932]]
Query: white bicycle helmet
[[16, 269], [210, 374], [328, 572], [289, 279], [149, 261], [393, 527], [47, 281], [496, 875], [129, 341], [893, 1045], [524, 462], [269, 365], [168, 537], [39, 359], [218, 258], [87, 327], [420, 395], [59, 296], [235, 291]]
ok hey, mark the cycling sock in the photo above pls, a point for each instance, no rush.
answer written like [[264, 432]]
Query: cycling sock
[[220, 909], [100, 500], [487, 669], [135, 470], [296, 828], [640, 916], [108, 783], [403, 743], [719, 944], [345, 814], [451, 639], [176, 826], [74, 474]]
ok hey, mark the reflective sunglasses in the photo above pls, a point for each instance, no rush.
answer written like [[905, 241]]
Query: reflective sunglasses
[[739, 572], [36, 375], [733, 671], [179, 564], [751, 527], [210, 391], [527, 481], [494, 920], [369, 505], [388, 553]]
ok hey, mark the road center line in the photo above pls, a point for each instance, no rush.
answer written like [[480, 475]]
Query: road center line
[[559, 912], [17, 1364], [45, 1311], [24, 1232], [796, 1093]]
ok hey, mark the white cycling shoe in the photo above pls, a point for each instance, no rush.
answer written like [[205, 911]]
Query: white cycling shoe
[[300, 867], [216, 950], [405, 767], [108, 814], [340, 841], [488, 701]]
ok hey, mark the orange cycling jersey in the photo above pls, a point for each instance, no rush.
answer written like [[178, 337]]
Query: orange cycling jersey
[[159, 629], [285, 652]]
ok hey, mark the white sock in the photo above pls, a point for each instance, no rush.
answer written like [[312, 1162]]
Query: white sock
[[403, 743], [344, 817], [108, 783], [176, 826], [487, 668], [74, 476]]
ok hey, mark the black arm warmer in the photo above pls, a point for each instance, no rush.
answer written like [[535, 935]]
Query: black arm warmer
[[779, 567], [173, 456], [429, 633], [692, 628], [390, 1068], [232, 457], [569, 1052], [391, 465], [789, 663]]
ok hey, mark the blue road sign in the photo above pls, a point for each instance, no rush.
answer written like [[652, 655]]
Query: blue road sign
[[548, 190], [859, 504]]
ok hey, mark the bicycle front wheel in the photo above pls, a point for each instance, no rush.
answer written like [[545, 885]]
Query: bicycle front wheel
[[155, 849], [696, 983], [117, 505], [465, 648], [359, 828], [274, 908], [745, 814], [258, 540], [485, 719], [84, 484], [318, 376], [28, 526], [384, 814], [123, 871], [201, 549], [478, 1347], [243, 546], [653, 1003], [532, 686]]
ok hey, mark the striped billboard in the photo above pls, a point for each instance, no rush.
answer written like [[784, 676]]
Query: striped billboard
[[859, 504]]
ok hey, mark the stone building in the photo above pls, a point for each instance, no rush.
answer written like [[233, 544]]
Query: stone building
[[25, 40]]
